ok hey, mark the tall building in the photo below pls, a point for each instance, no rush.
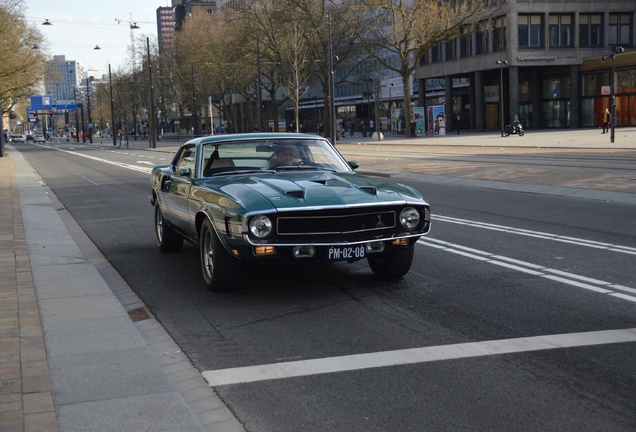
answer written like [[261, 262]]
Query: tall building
[[184, 8], [165, 29], [554, 61], [63, 77]]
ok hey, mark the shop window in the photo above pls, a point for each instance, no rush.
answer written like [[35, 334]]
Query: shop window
[[466, 42], [555, 88], [500, 34], [620, 29], [591, 83], [560, 29], [524, 91], [531, 31], [626, 81], [590, 30]]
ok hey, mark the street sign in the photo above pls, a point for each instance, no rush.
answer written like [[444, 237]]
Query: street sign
[[41, 103], [65, 104]]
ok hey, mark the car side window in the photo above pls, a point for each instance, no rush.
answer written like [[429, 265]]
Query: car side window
[[187, 160]]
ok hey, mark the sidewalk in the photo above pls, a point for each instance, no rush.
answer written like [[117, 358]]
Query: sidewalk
[[624, 138], [78, 349]]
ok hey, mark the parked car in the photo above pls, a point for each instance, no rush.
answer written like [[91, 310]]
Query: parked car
[[39, 138], [256, 198], [17, 139]]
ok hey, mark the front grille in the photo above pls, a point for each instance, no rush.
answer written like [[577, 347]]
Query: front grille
[[335, 224]]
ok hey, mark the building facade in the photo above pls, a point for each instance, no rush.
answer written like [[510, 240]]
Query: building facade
[[185, 8], [165, 29], [547, 57]]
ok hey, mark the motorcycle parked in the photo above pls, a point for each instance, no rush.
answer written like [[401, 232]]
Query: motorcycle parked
[[515, 128]]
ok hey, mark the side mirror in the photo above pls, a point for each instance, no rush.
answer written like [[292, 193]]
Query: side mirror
[[353, 164], [183, 172]]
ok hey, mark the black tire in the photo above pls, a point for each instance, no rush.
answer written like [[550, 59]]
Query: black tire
[[221, 271], [393, 265], [521, 132], [167, 239]]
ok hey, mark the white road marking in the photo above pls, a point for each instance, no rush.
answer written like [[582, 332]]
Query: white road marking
[[119, 164], [300, 368], [76, 173], [538, 234], [145, 162], [533, 269]]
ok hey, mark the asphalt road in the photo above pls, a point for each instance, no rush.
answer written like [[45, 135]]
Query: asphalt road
[[531, 270]]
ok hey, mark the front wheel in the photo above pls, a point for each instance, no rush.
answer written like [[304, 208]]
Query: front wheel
[[521, 132], [393, 265], [167, 239], [221, 271]]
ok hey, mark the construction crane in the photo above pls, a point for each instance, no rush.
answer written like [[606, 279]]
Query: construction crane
[[133, 26]]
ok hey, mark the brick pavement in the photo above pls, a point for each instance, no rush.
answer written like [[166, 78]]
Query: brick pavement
[[26, 401]]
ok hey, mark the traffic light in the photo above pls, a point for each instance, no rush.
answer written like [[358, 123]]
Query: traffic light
[[51, 113], [35, 114]]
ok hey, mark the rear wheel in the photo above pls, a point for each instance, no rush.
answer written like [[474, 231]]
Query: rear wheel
[[167, 239], [393, 265], [221, 271]]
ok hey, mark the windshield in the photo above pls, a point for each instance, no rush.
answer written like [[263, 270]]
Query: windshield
[[275, 155]]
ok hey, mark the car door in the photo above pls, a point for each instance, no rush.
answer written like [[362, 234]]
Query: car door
[[176, 191]]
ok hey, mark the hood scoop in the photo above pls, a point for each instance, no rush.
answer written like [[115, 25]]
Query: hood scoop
[[296, 193], [369, 189]]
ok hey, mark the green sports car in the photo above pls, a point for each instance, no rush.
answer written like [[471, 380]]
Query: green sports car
[[256, 198]]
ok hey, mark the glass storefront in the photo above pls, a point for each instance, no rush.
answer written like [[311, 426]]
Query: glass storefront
[[595, 92]]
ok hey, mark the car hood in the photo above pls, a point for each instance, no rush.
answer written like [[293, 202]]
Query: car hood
[[317, 189]]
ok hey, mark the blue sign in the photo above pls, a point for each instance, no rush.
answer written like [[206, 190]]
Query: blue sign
[[41, 103], [65, 104]]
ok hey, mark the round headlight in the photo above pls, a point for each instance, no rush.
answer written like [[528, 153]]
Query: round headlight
[[260, 226], [409, 218]]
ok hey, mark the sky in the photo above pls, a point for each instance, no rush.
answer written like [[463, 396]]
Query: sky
[[79, 25]]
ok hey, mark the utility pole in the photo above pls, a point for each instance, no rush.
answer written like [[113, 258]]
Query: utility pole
[[153, 119]]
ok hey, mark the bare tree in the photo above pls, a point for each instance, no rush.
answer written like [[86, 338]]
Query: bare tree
[[407, 29], [297, 66], [23, 54]]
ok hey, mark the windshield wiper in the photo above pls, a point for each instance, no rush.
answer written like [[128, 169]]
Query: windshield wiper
[[242, 171], [305, 167]]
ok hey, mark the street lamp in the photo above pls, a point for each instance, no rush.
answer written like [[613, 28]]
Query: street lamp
[[501, 98], [614, 50]]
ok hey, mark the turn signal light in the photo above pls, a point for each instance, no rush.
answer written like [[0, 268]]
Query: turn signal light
[[400, 242], [264, 250]]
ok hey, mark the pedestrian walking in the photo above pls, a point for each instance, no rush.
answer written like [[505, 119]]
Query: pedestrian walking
[[607, 117], [459, 123], [412, 126], [371, 127]]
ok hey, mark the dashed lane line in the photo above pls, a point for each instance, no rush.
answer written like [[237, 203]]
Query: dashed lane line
[[538, 234], [591, 284]]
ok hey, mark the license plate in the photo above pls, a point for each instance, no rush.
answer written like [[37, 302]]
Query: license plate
[[345, 253]]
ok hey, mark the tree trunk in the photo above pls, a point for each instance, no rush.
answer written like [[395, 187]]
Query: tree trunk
[[408, 108]]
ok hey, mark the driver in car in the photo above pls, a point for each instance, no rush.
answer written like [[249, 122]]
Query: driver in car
[[285, 157]]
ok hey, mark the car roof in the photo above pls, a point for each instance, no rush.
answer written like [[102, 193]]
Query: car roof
[[253, 136]]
